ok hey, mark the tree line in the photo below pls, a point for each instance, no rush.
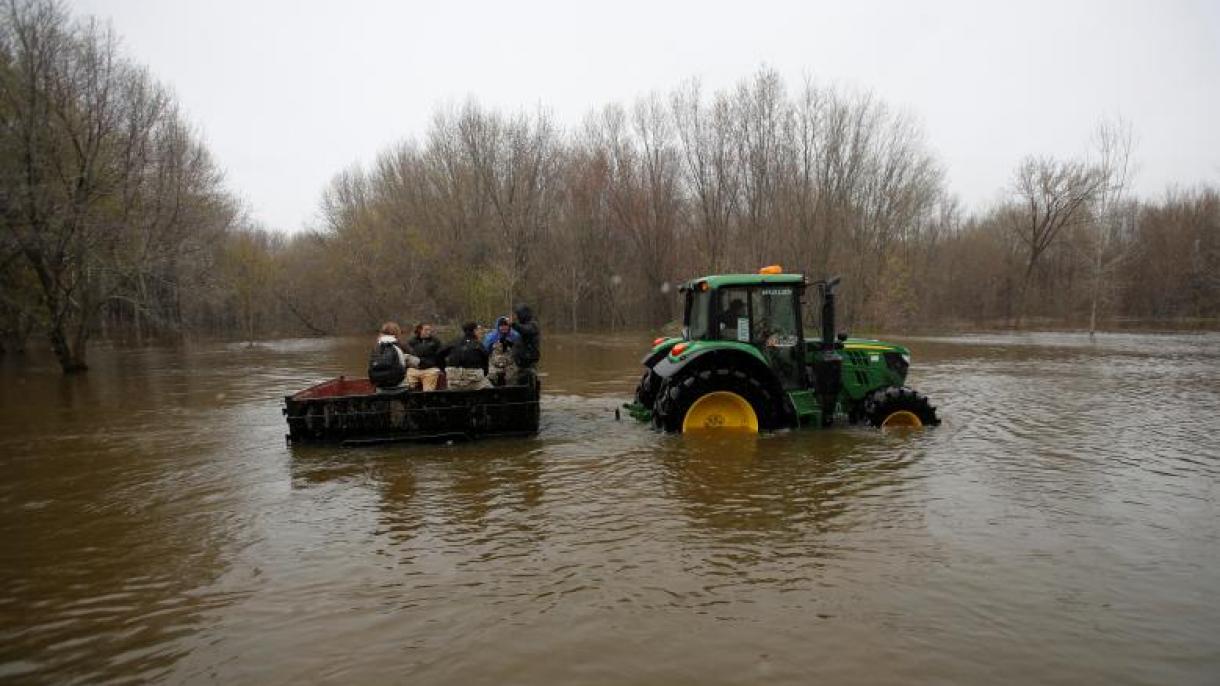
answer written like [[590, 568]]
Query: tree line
[[111, 205], [117, 222]]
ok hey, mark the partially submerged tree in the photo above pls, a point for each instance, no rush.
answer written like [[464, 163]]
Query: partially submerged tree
[[251, 271], [103, 185], [1052, 195], [1112, 215]]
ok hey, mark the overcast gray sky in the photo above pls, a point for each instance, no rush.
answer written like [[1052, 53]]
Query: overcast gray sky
[[289, 93]]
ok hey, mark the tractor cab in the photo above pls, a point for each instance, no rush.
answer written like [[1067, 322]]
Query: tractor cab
[[762, 311]]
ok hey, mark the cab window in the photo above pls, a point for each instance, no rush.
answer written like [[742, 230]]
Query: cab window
[[696, 315], [732, 316]]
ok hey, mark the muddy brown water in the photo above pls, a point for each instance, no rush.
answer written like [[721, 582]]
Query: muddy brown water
[[1061, 528]]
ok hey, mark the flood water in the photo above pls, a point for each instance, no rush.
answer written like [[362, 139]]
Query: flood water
[[1060, 527]]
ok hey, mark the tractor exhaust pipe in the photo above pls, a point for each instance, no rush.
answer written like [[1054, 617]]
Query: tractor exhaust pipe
[[828, 365], [828, 312]]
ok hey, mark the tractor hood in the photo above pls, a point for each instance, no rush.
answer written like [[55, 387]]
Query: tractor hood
[[865, 353], [873, 345]]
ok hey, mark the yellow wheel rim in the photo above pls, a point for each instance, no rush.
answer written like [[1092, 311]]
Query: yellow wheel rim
[[720, 410], [902, 419]]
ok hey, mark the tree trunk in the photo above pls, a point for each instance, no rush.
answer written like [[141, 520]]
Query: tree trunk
[[1023, 296], [80, 347], [574, 292], [71, 360], [1097, 274]]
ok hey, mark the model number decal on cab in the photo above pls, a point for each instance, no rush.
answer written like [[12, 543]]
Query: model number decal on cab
[[777, 291]]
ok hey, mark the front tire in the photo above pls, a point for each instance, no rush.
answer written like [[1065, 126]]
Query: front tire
[[715, 399], [899, 408]]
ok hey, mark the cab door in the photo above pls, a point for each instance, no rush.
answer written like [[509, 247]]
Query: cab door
[[775, 329], [731, 316]]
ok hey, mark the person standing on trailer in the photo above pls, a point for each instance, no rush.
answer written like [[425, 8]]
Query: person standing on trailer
[[499, 346], [502, 332], [527, 352]]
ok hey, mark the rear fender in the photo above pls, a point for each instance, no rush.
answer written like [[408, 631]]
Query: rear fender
[[659, 352], [728, 358]]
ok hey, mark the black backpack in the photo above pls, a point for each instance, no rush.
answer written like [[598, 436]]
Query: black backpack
[[385, 366]]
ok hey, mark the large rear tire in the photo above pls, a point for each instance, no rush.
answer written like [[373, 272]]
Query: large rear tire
[[899, 408], [715, 399]]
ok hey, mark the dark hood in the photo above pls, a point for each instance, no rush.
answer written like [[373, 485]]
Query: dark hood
[[524, 314]]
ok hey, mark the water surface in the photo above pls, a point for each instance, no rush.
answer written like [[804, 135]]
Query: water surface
[[1059, 527]]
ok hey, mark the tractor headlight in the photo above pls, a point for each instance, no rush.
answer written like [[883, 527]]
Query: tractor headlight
[[898, 362]]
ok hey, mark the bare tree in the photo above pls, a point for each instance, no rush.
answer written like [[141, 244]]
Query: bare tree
[[516, 162], [105, 188], [1112, 143], [1053, 195], [711, 168], [251, 265], [759, 121], [644, 178], [62, 92]]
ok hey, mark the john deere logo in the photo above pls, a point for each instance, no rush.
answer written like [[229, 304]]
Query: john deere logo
[[713, 421]]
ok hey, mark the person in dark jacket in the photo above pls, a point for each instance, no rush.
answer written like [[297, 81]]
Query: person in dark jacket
[[527, 351], [466, 361], [427, 348]]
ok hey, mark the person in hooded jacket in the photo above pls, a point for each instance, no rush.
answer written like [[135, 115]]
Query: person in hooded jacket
[[527, 351], [466, 361], [503, 332], [390, 331], [427, 348]]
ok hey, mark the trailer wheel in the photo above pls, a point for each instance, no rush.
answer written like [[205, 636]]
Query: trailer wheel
[[899, 408], [714, 399]]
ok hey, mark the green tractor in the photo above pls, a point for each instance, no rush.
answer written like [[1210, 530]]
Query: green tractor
[[743, 363]]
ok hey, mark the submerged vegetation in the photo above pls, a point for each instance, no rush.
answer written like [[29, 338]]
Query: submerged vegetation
[[117, 222]]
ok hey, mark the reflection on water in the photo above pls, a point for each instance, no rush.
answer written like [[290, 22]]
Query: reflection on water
[[1061, 526]]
